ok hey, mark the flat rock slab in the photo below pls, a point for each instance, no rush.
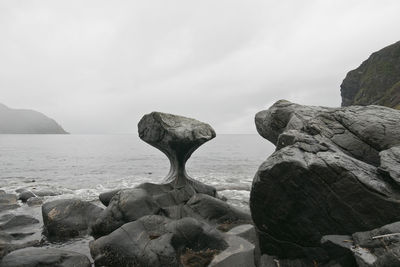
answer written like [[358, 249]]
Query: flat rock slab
[[40, 257], [239, 253], [17, 221]]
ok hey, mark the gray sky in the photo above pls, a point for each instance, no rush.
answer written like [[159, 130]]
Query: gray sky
[[98, 66]]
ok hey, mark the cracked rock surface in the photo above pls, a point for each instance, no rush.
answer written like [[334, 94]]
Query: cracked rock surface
[[334, 171]]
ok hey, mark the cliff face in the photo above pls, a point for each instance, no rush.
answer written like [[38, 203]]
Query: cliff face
[[21, 121], [376, 81]]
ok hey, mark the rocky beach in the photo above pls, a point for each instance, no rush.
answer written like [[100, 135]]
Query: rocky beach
[[327, 196]]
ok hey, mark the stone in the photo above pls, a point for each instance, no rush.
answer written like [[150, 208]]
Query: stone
[[7, 201], [379, 247], [389, 163], [46, 193], [177, 137], [154, 240], [34, 201], [17, 221], [25, 195], [214, 210], [106, 197], [38, 257], [339, 248], [239, 253], [245, 231], [65, 218], [126, 206], [325, 176]]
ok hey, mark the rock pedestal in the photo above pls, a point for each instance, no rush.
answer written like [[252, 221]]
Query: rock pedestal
[[177, 137]]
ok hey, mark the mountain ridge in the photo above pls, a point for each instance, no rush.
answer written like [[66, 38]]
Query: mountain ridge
[[26, 121]]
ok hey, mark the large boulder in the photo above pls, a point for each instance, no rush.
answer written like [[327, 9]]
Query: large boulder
[[325, 176], [65, 218], [12, 221], [126, 206], [38, 257], [154, 241]]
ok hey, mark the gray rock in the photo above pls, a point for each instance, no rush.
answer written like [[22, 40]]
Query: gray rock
[[177, 137], [66, 218], [46, 193], [154, 241], [324, 176], [126, 206], [7, 201], [106, 197], [359, 131], [245, 231], [379, 247], [39, 257], [390, 159], [239, 253], [34, 201], [25, 195], [17, 221]]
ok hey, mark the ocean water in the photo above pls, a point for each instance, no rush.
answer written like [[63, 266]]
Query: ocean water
[[85, 165]]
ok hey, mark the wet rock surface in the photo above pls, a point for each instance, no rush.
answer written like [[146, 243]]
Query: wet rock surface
[[67, 218], [39, 257], [334, 172], [154, 241]]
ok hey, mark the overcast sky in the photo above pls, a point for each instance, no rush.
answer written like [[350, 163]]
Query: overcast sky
[[98, 66]]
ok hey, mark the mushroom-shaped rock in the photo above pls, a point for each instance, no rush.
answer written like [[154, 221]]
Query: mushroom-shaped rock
[[177, 137]]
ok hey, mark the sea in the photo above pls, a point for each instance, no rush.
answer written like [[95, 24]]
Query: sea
[[83, 166]]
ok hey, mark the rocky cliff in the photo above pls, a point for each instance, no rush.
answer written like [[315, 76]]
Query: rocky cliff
[[22, 121], [376, 81]]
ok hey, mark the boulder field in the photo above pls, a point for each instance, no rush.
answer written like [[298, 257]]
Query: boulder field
[[335, 172]]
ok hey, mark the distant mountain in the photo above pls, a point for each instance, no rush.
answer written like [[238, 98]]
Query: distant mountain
[[23, 121], [376, 81]]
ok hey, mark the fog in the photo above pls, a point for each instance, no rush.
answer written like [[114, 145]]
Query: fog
[[98, 66]]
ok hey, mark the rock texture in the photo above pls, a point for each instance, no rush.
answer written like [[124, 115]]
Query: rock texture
[[180, 222], [154, 241], [39, 257], [177, 137], [65, 218], [376, 81], [334, 172], [22, 121]]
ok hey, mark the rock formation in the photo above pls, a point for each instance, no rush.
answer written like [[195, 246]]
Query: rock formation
[[22, 121], [177, 137], [176, 222], [66, 218], [376, 81], [334, 172]]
